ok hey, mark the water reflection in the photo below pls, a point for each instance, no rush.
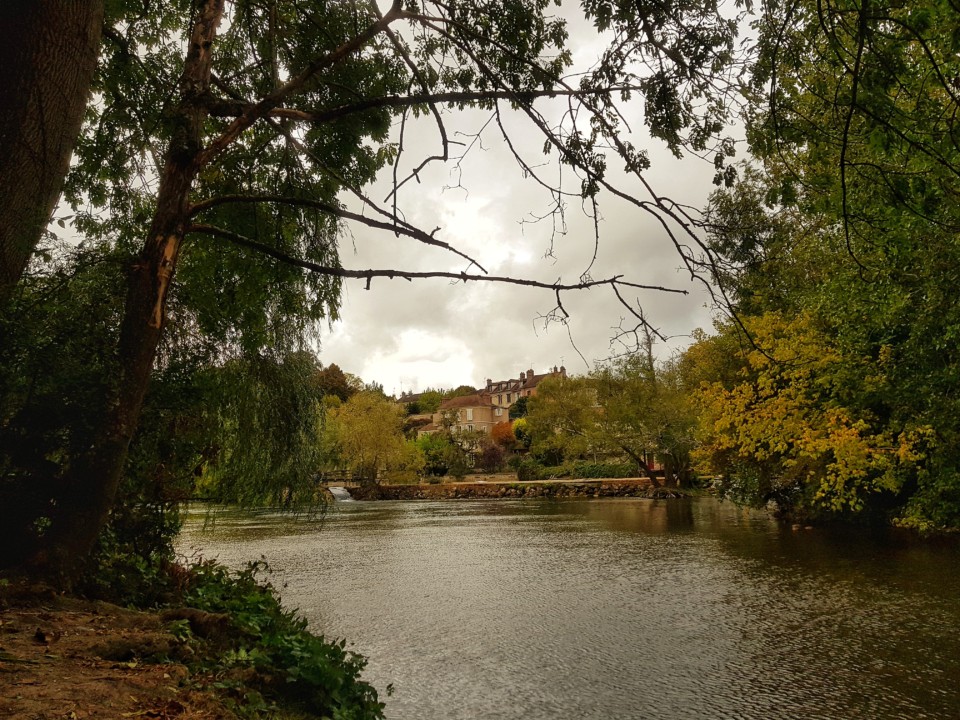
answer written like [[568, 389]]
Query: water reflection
[[617, 608]]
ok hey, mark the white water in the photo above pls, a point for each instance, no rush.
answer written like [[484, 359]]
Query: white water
[[341, 494]]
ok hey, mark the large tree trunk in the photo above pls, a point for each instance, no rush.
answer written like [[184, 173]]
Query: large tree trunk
[[93, 485], [48, 55]]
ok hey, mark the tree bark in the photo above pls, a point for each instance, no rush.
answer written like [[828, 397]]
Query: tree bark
[[47, 59], [93, 484], [641, 464]]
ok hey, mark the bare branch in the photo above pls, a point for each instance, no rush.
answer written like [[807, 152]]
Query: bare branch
[[368, 275], [237, 108], [396, 228]]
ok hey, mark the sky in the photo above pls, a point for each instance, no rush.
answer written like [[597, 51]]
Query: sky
[[409, 336]]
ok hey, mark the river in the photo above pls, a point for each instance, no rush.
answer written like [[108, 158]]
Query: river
[[615, 609]]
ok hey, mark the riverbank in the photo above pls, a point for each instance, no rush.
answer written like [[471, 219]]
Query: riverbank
[[630, 487], [63, 657], [223, 649]]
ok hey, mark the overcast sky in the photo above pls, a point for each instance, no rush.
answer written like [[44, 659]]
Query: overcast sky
[[430, 333]]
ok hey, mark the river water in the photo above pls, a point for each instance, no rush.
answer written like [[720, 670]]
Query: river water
[[615, 609]]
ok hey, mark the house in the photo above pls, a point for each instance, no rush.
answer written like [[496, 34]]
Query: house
[[504, 393], [485, 408], [467, 413]]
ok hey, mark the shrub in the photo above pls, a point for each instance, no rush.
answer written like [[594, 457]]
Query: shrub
[[491, 458], [293, 666], [589, 470], [527, 469]]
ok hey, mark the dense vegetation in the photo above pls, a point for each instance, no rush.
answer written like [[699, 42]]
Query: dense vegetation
[[165, 350], [833, 389]]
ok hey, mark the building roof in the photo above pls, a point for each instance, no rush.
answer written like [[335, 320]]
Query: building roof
[[475, 400], [527, 380]]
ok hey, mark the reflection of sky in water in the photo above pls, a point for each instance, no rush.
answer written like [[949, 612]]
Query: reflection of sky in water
[[615, 608]]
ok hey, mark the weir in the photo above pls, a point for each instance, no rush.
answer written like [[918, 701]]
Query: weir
[[341, 494]]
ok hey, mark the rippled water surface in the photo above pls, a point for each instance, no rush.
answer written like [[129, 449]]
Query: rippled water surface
[[621, 608]]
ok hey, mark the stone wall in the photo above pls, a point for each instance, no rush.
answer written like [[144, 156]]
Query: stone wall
[[450, 491]]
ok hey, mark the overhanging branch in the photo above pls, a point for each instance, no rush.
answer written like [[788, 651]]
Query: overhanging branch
[[236, 108], [368, 275], [395, 227]]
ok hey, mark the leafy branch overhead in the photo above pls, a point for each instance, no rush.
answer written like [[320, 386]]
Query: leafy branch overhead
[[300, 118]]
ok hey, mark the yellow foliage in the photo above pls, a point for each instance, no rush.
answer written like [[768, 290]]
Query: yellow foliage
[[782, 416]]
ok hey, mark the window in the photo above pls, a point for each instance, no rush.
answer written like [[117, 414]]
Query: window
[[508, 397], [499, 399], [470, 428], [469, 414], [498, 411]]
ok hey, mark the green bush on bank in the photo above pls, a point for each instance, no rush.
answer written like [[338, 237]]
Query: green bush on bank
[[293, 667], [529, 469], [262, 657]]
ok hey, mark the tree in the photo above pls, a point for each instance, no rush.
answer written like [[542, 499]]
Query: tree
[[502, 434], [430, 401], [461, 391], [209, 129], [367, 432], [645, 413], [562, 420], [519, 408], [781, 434], [47, 61], [438, 451], [490, 458], [331, 380]]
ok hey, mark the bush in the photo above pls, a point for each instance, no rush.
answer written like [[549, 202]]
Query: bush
[[287, 663], [527, 469], [530, 469], [491, 458], [589, 470]]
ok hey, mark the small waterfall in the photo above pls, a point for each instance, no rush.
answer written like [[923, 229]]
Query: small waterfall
[[341, 494]]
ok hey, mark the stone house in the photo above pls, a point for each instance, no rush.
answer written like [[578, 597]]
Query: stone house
[[467, 413]]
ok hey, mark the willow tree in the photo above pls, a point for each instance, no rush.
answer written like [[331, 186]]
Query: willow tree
[[227, 143]]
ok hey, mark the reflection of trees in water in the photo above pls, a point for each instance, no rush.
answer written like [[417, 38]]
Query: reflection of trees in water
[[235, 525]]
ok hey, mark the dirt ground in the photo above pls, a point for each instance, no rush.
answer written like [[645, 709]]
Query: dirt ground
[[67, 658]]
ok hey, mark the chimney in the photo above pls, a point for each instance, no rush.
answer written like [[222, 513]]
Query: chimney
[[530, 374], [523, 376], [563, 371], [489, 383]]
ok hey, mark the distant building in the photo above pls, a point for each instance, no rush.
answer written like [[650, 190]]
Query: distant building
[[504, 393], [486, 407], [407, 398], [467, 413]]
